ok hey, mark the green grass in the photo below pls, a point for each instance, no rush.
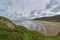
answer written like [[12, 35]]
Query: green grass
[[5, 19], [22, 33]]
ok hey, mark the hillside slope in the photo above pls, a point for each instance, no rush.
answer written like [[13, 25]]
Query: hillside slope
[[16, 33], [55, 18], [21, 33]]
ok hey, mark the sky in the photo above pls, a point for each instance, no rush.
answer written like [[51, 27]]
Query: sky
[[26, 9]]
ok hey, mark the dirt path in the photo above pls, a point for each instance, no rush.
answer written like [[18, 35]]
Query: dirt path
[[52, 28]]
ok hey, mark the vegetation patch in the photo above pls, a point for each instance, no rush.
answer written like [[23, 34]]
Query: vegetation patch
[[22, 33]]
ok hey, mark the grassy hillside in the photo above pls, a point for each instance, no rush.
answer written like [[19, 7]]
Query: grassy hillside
[[5, 19], [55, 18], [21, 33]]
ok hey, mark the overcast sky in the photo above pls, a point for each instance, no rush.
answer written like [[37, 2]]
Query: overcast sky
[[16, 8]]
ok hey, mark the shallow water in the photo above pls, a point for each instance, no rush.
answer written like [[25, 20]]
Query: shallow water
[[31, 25]]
